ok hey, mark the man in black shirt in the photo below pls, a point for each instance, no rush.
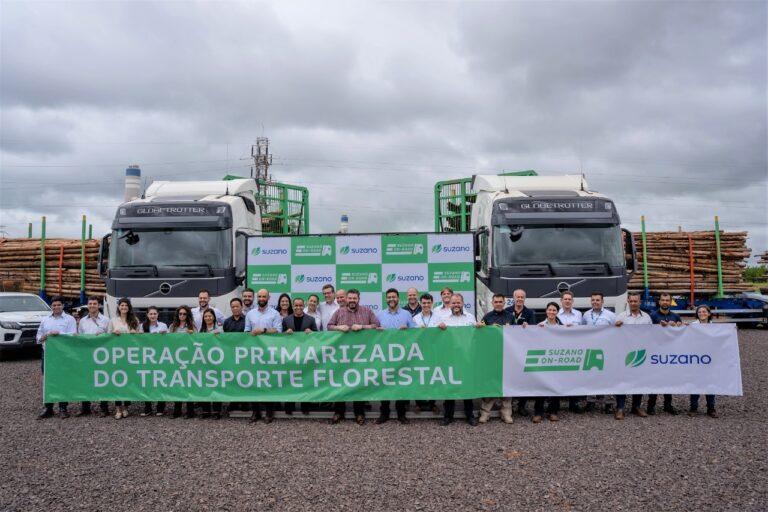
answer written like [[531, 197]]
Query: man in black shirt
[[235, 323], [412, 305], [298, 322], [497, 316], [521, 316], [664, 317]]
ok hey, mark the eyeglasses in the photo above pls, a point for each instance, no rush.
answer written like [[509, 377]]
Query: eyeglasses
[[181, 313]]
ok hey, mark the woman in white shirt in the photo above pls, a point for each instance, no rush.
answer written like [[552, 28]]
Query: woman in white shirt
[[153, 326], [703, 316], [209, 325], [125, 323], [552, 320], [183, 323]]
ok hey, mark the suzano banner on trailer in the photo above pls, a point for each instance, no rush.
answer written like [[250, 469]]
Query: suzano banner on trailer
[[462, 362]]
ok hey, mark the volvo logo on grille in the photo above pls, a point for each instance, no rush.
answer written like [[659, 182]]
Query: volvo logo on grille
[[165, 288], [563, 287]]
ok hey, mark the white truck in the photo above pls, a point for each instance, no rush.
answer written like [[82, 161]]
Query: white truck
[[544, 234], [180, 237]]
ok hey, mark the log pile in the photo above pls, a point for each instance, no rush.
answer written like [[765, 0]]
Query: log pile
[[669, 264], [20, 266], [763, 259]]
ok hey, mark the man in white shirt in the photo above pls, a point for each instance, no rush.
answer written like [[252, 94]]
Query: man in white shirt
[[328, 307], [203, 301], [444, 309], [426, 318], [457, 318], [93, 323], [247, 300], [263, 319], [57, 324], [598, 315], [568, 315], [632, 316]]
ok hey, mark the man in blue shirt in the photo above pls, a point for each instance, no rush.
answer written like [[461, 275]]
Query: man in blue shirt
[[394, 317], [260, 320], [666, 318]]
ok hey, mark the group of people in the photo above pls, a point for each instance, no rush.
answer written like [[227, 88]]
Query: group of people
[[340, 310]]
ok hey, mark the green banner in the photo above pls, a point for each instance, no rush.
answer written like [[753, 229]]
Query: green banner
[[416, 364]]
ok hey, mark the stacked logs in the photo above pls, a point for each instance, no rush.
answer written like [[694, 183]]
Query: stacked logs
[[764, 259], [669, 264], [20, 266]]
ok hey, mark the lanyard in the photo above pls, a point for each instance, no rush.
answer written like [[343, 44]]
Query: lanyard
[[592, 316], [425, 322]]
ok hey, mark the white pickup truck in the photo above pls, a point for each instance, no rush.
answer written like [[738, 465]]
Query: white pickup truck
[[20, 316]]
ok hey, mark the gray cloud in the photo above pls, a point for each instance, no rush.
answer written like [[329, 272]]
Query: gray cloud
[[662, 105]]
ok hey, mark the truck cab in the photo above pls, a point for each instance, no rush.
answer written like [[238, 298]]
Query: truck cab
[[180, 238], [545, 235]]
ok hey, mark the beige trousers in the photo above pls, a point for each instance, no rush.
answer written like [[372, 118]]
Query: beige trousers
[[487, 404]]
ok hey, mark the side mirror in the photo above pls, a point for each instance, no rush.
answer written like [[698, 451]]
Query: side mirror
[[479, 247], [630, 250], [241, 250], [103, 255]]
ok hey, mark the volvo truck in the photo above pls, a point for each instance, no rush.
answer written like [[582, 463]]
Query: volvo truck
[[543, 234], [178, 238]]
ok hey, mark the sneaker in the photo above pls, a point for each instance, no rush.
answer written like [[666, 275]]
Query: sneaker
[[536, 418], [507, 418], [47, 413], [484, 417]]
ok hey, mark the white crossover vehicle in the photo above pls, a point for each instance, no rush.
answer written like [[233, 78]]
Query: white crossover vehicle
[[20, 316]]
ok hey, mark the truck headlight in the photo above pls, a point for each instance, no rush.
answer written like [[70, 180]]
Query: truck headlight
[[10, 325]]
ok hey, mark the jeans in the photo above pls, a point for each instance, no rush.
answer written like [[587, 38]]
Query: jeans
[[695, 402], [552, 408], [652, 401], [621, 400]]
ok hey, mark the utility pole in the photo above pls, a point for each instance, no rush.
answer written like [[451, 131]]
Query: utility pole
[[262, 159]]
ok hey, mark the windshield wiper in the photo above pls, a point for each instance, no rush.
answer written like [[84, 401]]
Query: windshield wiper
[[604, 264], [153, 267], [210, 268], [548, 265]]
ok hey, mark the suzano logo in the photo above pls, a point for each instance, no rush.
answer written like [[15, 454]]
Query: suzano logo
[[358, 250], [258, 251], [638, 357], [301, 278], [635, 358], [438, 248], [404, 278], [564, 360]]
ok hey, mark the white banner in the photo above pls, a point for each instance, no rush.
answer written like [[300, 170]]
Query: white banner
[[632, 359]]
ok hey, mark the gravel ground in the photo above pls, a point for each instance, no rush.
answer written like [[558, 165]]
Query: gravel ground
[[584, 462]]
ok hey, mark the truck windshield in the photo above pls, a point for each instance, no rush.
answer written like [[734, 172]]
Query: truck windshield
[[170, 247], [22, 303], [557, 244]]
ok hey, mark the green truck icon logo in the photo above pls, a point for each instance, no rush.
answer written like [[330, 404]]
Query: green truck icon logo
[[594, 358], [373, 277], [418, 249], [326, 250], [282, 278]]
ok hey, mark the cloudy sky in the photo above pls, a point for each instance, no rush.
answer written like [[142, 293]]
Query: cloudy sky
[[661, 104]]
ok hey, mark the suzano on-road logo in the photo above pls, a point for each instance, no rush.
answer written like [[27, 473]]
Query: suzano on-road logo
[[313, 250], [635, 358], [564, 360]]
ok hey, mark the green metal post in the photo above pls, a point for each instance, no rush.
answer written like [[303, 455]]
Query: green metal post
[[720, 291], [306, 211], [438, 223], [647, 293], [29, 230], [90, 231], [82, 262], [42, 259], [463, 207], [284, 211]]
